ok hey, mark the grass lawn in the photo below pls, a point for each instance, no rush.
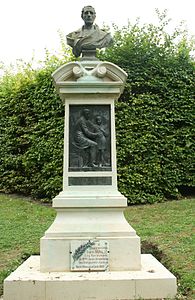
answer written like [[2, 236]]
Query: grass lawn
[[170, 226], [167, 228]]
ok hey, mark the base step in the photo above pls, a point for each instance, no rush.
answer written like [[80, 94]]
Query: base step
[[154, 281]]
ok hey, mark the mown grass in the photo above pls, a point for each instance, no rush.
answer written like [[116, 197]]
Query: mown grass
[[167, 227], [170, 226], [22, 224]]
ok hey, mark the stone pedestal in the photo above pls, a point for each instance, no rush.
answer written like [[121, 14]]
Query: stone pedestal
[[90, 207], [90, 232], [84, 222]]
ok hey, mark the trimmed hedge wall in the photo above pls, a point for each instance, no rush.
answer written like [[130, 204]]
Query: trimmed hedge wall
[[155, 115], [154, 120], [32, 122]]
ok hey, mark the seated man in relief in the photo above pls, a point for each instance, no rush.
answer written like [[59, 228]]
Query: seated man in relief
[[84, 137]]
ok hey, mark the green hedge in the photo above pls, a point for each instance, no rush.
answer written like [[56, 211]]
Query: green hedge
[[32, 122], [155, 115], [154, 119]]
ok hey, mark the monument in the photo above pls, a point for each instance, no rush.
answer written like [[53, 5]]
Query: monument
[[90, 251]]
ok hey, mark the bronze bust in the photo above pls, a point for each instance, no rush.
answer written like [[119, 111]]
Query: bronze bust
[[90, 36]]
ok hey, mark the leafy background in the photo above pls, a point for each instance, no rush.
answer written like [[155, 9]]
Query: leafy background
[[154, 118]]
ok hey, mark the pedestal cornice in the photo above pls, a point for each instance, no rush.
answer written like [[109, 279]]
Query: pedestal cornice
[[89, 78]]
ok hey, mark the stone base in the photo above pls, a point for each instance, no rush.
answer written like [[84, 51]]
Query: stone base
[[97, 215], [124, 253], [154, 281]]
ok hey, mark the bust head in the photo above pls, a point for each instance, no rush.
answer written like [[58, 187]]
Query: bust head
[[88, 15]]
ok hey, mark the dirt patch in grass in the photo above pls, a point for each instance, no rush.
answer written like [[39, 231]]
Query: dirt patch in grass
[[6, 257], [148, 247]]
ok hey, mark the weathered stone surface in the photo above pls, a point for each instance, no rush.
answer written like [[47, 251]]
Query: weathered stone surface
[[153, 281]]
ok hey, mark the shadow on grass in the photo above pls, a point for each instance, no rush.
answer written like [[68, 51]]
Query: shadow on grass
[[147, 247]]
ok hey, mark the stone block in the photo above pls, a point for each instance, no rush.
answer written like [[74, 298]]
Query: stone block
[[153, 282]]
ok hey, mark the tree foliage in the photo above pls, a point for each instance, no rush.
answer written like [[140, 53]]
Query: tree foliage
[[154, 118]]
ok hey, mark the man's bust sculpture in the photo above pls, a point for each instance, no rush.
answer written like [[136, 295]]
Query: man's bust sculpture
[[90, 36]]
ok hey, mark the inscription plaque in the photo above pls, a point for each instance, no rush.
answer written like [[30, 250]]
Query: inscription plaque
[[90, 181], [89, 255]]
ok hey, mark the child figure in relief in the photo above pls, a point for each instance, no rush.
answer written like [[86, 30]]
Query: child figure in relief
[[101, 141]]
